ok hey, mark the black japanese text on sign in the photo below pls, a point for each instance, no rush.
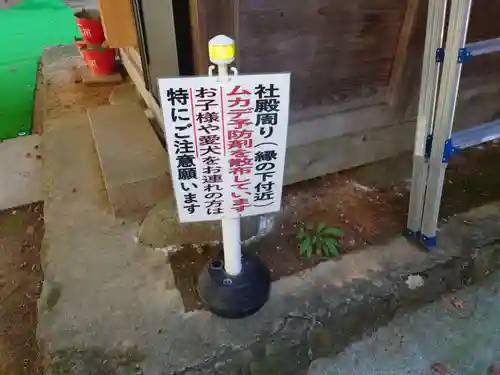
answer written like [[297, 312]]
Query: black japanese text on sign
[[207, 111], [226, 143], [184, 149]]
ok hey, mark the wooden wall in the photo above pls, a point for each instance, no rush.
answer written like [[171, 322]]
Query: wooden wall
[[334, 49], [355, 72]]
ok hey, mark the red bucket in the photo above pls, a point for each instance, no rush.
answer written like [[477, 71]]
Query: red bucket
[[101, 60], [90, 26]]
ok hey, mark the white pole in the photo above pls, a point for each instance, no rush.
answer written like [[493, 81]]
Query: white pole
[[230, 227], [232, 245]]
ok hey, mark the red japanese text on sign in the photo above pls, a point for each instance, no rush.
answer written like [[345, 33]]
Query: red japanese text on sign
[[239, 141]]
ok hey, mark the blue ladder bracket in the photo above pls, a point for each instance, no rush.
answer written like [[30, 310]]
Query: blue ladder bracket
[[429, 242], [420, 239], [428, 146], [464, 55], [449, 150], [440, 55], [410, 234]]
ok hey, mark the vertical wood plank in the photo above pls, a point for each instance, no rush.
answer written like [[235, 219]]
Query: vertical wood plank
[[340, 53], [407, 102], [396, 82], [118, 23], [196, 35], [209, 18]]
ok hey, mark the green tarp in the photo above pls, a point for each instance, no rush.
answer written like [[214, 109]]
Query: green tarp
[[25, 29]]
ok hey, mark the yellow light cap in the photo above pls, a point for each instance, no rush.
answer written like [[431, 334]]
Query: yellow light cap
[[221, 49]]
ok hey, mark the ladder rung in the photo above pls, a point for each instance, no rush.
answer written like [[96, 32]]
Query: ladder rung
[[484, 46], [476, 135]]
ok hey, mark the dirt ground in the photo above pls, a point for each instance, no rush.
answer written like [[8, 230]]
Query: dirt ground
[[63, 91], [369, 204], [21, 233]]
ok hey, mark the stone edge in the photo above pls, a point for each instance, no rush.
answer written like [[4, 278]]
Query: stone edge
[[299, 340]]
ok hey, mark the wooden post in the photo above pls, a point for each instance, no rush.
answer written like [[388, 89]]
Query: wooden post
[[210, 18]]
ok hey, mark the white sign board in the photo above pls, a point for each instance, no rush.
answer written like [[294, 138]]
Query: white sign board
[[226, 143]]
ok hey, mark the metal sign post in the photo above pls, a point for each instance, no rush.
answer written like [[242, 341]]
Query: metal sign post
[[226, 139], [221, 52]]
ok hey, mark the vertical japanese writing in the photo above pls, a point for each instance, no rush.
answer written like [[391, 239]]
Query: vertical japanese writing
[[239, 146], [265, 153], [184, 148], [207, 113], [267, 109], [226, 143]]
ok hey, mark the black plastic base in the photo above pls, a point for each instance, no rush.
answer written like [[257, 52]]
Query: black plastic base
[[235, 296]]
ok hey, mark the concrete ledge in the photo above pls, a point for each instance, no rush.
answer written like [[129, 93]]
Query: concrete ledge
[[90, 78], [311, 314], [336, 303], [20, 171], [133, 161]]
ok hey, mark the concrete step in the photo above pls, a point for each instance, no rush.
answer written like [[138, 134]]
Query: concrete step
[[123, 94], [20, 171], [134, 164], [71, 168]]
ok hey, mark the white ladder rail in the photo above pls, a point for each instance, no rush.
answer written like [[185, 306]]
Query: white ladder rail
[[447, 98], [426, 109], [437, 122]]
